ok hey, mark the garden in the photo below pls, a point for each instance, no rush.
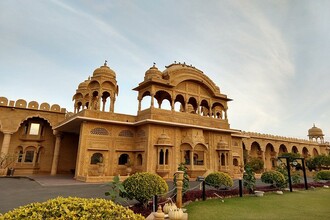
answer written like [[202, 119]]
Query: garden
[[141, 193]]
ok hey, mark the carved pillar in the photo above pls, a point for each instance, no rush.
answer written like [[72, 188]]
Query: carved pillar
[[6, 142], [179, 185], [104, 100], [263, 154], [139, 107], [226, 117], [56, 153], [112, 104], [152, 100]]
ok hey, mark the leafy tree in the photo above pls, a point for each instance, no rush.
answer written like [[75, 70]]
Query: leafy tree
[[256, 164], [318, 162], [249, 179]]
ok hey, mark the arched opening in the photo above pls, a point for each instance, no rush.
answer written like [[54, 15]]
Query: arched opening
[[179, 105], [161, 96], [294, 149], [204, 108], [123, 159], [161, 157], [192, 105], [255, 150], [139, 160], [235, 162], [315, 152], [305, 152], [106, 101], [96, 158], [282, 149]]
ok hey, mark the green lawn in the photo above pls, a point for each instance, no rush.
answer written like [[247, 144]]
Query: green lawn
[[310, 204]]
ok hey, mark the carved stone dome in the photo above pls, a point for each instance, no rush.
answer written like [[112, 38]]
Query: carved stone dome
[[84, 84], [104, 71], [315, 131], [153, 72]]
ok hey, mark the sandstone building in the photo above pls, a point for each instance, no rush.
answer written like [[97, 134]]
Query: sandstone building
[[184, 121]]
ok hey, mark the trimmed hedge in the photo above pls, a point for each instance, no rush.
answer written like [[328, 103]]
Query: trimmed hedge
[[274, 177], [142, 186], [322, 175], [72, 208], [219, 179]]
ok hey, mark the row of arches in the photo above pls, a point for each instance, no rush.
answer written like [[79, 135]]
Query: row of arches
[[123, 159], [200, 106], [256, 150], [97, 101]]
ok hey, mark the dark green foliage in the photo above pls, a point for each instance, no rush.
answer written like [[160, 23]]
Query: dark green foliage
[[322, 175], [219, 179], [249, 180], [116, 189], [256, 164], [185, 185], [291, 156], [318, 162], [142, 186], [274, 177]]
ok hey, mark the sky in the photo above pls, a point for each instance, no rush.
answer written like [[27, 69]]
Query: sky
[[270, 57]]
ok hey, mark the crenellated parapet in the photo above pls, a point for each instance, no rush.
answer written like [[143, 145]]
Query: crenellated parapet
[[276, 137], [21, 103]]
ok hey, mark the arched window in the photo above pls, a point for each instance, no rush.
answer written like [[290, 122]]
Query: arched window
[[161, 156], [20, 154], [166, 156], [235, 162], [223, 160], [29, 155], [96, 158], [123, 159]]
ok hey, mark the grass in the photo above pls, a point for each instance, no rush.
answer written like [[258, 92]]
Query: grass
[[310, 204]]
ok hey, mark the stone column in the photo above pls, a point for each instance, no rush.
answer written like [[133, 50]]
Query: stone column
[[263, 154], [56, 152], [152, 100], [139, 108], [179, 184], [6, 142]]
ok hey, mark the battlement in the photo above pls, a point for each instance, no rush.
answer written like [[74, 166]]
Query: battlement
[[21, 103]]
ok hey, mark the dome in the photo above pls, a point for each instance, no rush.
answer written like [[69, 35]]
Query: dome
[[104, 71], [315, 131], [84, 84], [153, 72]]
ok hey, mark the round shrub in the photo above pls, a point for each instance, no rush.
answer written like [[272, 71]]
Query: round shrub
[[322, 175], [274, 177], [72, 208], [256, 164], [219, 179], [142, 186]]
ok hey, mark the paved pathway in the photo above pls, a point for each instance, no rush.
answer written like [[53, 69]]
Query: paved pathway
[[18, 191]]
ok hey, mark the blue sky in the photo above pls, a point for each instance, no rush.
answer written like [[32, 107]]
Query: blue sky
[[271, 57]]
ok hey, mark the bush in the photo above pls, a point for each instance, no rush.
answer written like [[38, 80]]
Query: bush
[[256, 164], [142, 186], [274, 177], [72, 208], [322, 175], [219, 179]]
